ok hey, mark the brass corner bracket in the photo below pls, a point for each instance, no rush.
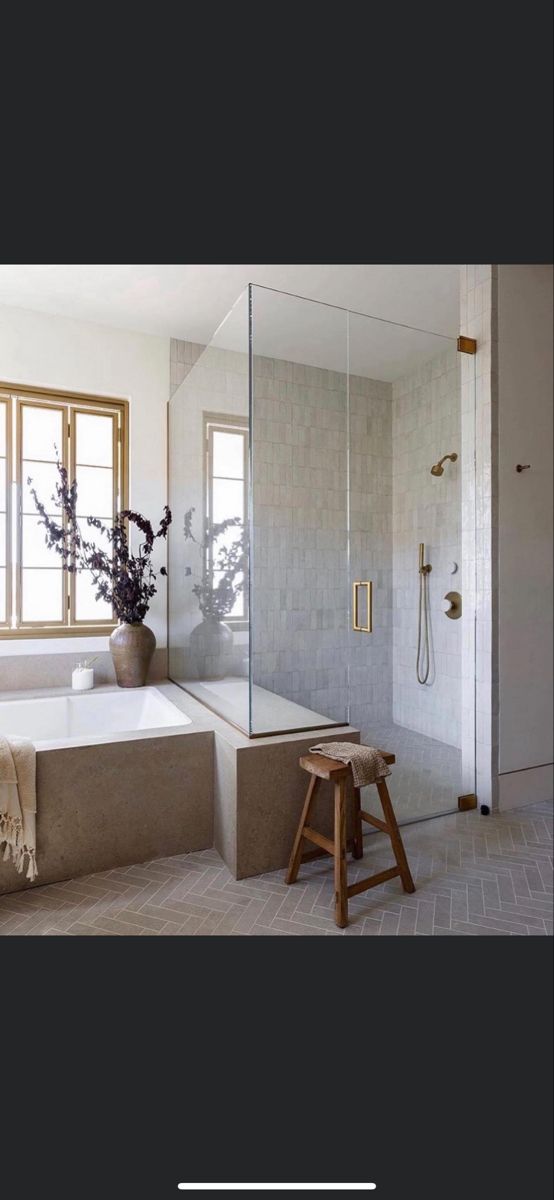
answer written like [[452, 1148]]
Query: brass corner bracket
[[467, 345]]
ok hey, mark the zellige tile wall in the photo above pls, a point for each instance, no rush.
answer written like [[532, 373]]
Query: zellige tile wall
[[302, 643], [426, 425]]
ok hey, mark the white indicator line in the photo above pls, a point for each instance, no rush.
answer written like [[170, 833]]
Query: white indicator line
[[277, 1187]]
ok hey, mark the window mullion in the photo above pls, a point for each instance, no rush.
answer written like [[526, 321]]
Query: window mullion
[[69, 462]]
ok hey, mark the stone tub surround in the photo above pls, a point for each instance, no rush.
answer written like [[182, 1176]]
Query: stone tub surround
[[271, 789], [23, 671], [259, 788], [109, 805], [148, 797]]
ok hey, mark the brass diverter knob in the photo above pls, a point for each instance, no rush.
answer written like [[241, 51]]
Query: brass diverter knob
[[452, 605]]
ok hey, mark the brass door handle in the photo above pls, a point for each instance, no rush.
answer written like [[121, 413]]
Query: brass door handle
[[355, 611]]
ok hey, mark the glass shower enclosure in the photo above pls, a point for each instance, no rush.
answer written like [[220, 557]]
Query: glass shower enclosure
[[320, 572]]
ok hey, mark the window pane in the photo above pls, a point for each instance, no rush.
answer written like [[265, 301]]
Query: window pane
[[90, 534], [2, 593], [237, 609], [42, 432], [87, 608], [225, 541], [42, 595], [3, 425], [34, 552], [228, 454], [44, 478], [2, 540], [228, 500], [94, 439], [94, 492], [2, 485]]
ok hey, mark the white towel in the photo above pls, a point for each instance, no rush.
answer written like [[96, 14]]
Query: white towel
[[367, 763], [18, 802]]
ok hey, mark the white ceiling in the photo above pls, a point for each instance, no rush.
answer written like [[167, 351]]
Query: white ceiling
[[185, 301]]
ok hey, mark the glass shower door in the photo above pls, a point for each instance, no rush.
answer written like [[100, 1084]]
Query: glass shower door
[[410, 636]]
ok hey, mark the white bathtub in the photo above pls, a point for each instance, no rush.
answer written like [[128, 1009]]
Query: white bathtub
[[94, 717]]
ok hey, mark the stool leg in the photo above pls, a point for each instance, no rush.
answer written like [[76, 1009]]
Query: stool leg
[[358, 851], [296, 853], [341, 898], [394, 834]]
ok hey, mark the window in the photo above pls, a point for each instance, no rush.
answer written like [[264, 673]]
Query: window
[[226, 439], [89, 435]]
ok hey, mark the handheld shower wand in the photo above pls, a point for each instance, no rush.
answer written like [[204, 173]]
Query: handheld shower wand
[[423, 661]]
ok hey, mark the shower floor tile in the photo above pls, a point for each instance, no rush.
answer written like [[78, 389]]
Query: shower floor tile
[[475, 876], [427, 776]]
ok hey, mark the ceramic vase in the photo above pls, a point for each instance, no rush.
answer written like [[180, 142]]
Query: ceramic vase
[[132, 645]]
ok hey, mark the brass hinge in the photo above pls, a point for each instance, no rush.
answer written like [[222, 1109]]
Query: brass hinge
[[466, 802], [467, 345]]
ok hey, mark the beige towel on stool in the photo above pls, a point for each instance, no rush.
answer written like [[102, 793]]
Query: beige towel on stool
[[367, 763], [18, 802]]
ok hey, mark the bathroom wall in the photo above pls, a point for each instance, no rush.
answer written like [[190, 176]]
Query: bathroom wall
[[182, 357], [525, 533], [426, 424], [52, 351]]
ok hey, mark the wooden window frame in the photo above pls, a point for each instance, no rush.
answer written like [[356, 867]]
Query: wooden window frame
[[71, 404], [5, 400], [226, 423]]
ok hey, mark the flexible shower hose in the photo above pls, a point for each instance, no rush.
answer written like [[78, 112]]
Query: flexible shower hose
[[423, 660]]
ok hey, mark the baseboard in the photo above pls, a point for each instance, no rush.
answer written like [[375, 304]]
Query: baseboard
[[518, 788]]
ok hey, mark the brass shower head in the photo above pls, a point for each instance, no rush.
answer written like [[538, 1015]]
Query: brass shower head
[[438, 468]]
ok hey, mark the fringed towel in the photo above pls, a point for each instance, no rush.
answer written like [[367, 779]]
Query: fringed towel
[[18, 802], [367, 763]]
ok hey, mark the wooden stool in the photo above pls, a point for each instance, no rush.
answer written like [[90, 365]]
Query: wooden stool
[[330, 769]]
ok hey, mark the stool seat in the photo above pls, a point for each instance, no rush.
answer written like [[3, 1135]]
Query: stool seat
[[331, 768], [320, 767]]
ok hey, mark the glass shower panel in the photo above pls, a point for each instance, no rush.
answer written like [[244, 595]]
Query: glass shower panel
[[407, 654], [208, 585], [299, 514], [322, 551]]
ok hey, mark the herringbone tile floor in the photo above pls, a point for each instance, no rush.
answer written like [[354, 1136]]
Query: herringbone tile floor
[[474, 875]]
